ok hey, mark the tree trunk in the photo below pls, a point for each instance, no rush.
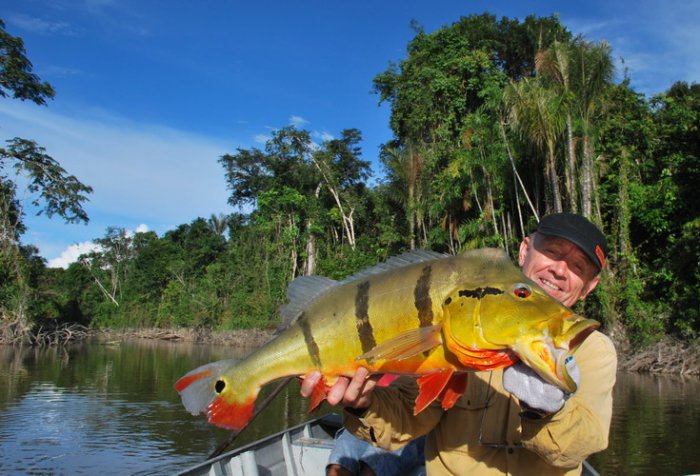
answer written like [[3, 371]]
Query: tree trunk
[[310, 266], [587, 179], [553, 179], [517, 176], [571, 166], [411, 215]]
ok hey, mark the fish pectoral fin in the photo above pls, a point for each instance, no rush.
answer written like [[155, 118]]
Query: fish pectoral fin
[[430, 387], [406, 345]]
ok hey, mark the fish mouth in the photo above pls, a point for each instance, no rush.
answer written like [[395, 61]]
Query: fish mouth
[[548, 356]]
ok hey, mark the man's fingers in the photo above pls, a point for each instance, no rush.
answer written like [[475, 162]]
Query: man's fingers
[[355, 392], [356, 387], [337, 391], [309, 382]]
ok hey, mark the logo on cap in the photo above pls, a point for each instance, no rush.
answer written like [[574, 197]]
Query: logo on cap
[[601, 256]]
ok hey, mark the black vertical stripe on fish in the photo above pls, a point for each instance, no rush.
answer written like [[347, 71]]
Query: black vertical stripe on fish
[[421, 298], [364, 327], [479, 293], [311, 345]]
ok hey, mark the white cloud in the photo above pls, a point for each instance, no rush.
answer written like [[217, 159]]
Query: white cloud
[[324, 136], [297, 121], [39, 25], [659, 43], [140, 173], [71, 254], [261, 138]]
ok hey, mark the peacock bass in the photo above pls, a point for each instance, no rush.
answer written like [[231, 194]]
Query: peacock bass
[[421, 313]]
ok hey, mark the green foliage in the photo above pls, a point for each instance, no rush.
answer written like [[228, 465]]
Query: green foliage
[[16, 77], [26, 297]]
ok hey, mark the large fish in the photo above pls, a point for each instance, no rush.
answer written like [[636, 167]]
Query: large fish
[[421, 313]]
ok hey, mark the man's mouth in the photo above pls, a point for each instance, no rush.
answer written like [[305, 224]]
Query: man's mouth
[[549, 284]]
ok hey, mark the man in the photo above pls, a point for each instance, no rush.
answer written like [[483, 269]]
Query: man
[[507, 421]]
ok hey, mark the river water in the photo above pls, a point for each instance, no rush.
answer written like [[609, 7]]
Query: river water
[[111, 409]]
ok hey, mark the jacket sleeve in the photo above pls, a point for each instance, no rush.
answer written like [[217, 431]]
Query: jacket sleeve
[[581, 427], [389, 422]]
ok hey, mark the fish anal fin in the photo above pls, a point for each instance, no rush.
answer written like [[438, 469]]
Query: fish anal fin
[[430, 387], [453, 390], [406, 344], [318, 394], [231, 415]]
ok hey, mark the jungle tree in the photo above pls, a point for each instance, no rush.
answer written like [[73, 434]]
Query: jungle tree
[[23, 163]]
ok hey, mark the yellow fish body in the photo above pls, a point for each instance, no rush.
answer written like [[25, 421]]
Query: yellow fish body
[[421, 313]]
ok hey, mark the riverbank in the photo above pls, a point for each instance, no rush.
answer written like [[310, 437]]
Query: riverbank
[[669, 356], [236, 338]]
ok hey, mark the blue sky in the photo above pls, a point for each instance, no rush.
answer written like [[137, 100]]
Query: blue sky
[[150, 94]]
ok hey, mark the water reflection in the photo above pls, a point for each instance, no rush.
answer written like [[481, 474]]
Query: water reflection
[[112, 409], [655, 427]]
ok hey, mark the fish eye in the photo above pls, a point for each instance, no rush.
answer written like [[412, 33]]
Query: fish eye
[[522, 291]]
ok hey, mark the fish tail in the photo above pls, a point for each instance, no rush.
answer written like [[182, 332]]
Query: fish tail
[[231, 415], [209, 389]]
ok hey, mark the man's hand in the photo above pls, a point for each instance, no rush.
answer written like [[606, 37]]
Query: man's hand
[[354, 393], [533, 391]]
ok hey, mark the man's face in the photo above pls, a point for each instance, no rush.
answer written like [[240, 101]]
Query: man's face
[[559, 267]]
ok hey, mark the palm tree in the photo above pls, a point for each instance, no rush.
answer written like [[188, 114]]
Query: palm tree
[[495, 107], [554, 65], [218, 223], [538, 114], [406, 165], [592, 71]]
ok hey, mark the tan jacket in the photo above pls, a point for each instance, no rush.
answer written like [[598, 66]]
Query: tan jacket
[[460, 440]]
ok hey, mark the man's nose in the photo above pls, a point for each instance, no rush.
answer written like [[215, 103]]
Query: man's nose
[[559, 267]]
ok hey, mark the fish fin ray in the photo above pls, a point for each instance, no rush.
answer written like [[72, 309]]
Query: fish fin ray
[[300, 294], [453, 390], [231, 415], [196, 388], [405, 259], [318, 394], [430, 387], [406, 344]]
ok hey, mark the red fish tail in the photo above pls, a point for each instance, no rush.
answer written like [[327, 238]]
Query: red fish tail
[[210, 389], [190, 378], [231, 415]]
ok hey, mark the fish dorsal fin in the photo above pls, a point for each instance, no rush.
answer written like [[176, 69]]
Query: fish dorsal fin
[[302, 291], [405, 259]]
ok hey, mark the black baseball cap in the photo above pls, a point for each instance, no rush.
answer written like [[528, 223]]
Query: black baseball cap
[[579, 231]]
